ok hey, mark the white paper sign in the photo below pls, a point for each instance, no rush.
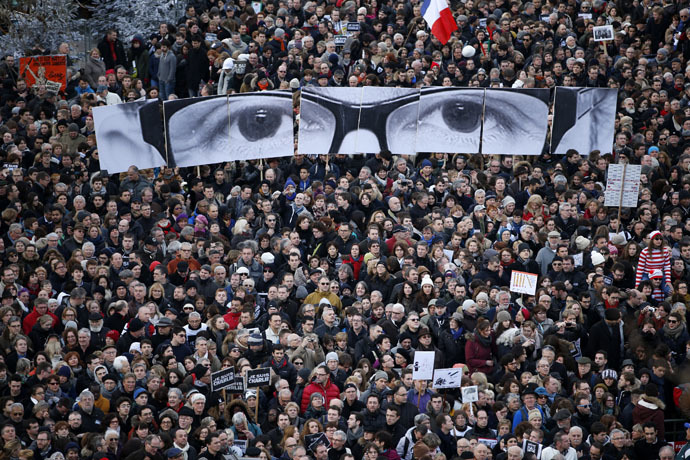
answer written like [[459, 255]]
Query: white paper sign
[[423, 368], [577, 259], [523, 282], [470, 394], [447, 378], [622, 179], [603, 33]]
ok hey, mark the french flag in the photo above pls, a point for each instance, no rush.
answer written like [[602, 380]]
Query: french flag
[[437, 14]]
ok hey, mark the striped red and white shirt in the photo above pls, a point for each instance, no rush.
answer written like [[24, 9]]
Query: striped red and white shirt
[[656, 259]]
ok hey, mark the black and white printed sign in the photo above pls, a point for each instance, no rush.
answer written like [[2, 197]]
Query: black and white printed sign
[[224, 378], [258, 378]]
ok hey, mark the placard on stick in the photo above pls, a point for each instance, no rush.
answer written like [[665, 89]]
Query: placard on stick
[[603, 33], [258, 378], [523, 282], [470, 394], [622, 185], [50, 71], [530, 447], [447, 378], [222, 379], [237, 385], [423, 368]]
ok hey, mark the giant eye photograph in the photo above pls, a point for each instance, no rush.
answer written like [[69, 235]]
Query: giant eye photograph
[[329, 118], [515, 121], [450, 120], [121, 140], [223, 128], [583, 119]]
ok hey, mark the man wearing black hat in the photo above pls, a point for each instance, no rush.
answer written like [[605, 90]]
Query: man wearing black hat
[[98, 332], [135, 332], [607, 335], [529, 402]]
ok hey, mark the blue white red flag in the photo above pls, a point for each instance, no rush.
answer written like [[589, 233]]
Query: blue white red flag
[[437, 14]]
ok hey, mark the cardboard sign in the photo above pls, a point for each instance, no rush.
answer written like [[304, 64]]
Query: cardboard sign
[[488, 442], [339, 40], [423, 368], [353, 26], [531, 448], [603, 33], [224, 378], [470, 394], [622, 185], [313, 440], [50, 71], [258, 378], [237, 386], [523, 282], [447, 378]]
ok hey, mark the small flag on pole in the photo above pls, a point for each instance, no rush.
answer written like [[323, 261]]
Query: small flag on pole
[[437, 14]]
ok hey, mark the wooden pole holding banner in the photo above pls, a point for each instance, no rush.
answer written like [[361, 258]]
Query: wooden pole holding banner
[[256, 409], [261, 163], [620, 200]]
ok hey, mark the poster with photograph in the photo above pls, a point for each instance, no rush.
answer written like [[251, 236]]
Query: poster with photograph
[[423, 367], [515, 121], [470, 394], [129, 134], [450, 120], [216, 129], [328, 120], [583, 119], [447, 378], [603, 33], [388, 120], [50, 71], [198, 130]]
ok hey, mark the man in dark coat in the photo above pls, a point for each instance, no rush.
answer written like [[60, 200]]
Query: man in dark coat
[[112, 51], [280, 364], [197, 66], [607, 335]]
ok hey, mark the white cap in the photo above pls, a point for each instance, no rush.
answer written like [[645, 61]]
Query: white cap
[[228, 64]]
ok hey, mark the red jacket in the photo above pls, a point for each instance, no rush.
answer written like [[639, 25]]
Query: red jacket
[[476, 355], [32, 318], [233, 319], [329, 391], [355, 263]]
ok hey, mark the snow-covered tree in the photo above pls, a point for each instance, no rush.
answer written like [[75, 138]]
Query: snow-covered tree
[[129, 17], [42, 24]]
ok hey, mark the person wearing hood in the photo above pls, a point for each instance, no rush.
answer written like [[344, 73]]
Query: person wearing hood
[[651, 409], [225, 79], [138, 59]]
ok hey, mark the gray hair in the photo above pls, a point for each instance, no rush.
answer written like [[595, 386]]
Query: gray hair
[[86, 394], [341, 434], [421, 418], [86, 331], [239, 419], [515, 450], [119, 363]]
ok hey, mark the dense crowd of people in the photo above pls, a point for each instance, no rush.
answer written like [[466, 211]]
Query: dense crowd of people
[[122, 294]]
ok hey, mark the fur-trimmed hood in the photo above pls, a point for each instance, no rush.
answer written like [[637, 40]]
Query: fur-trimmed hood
[[651, 403]]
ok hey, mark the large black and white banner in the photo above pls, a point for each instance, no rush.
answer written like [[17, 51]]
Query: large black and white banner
[[450, 120], [408, 121], [215, 129], [129, 134], [584, 119], [515, 121], [207, 130]]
